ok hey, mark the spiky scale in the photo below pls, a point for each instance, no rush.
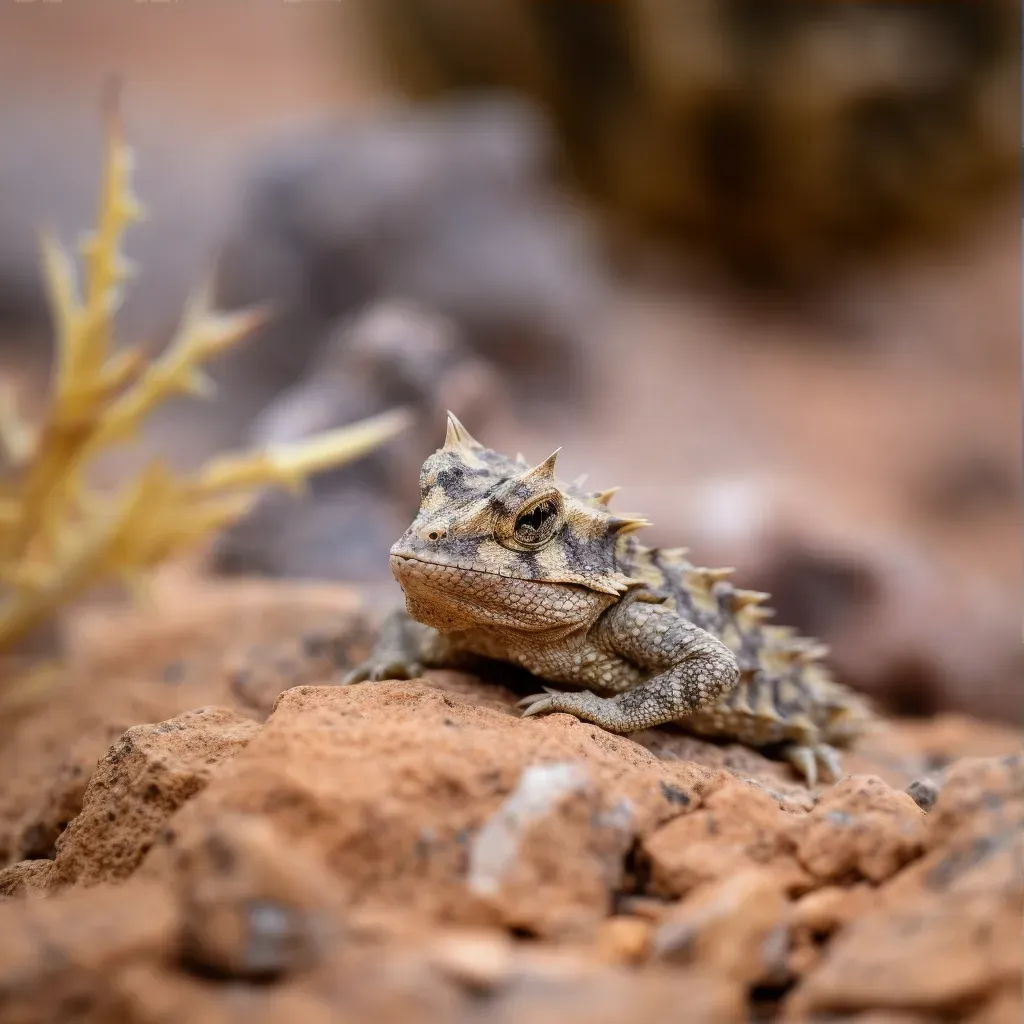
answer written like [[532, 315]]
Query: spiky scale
[[713, 576], [739, 700], [458, 437], [543, 471], [621, 525], [696, 583], [756, 615], [779, 635], [764, 704], [740, 599]]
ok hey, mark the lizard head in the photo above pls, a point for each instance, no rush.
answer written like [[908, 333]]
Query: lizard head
[[496, 541]]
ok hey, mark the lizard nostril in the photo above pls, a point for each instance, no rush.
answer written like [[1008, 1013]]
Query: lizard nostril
[[436, 534]]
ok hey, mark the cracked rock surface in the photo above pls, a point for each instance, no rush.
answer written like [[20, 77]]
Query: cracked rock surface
[[204, 825]]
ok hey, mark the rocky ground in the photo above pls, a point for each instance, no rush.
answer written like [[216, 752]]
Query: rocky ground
[[222, 832]]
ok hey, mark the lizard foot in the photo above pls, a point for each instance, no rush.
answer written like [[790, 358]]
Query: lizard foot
[[397, 654], [808, 759], [377, 668], [587, 706]]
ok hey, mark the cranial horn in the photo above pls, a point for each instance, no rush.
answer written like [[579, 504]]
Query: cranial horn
[[457, 436], [621, 525], [545, 470]]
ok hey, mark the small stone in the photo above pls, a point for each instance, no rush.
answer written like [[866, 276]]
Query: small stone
[[26, 878], [860, 828], [173, 672], [540, 790], [735, 828], [254, 908], [622, 940], [823, 911], [480, 962], [924, 792]]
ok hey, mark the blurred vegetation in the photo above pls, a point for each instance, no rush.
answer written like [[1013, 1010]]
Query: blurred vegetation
[[59, 537]]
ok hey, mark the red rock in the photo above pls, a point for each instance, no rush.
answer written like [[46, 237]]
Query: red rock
[[479, 961], [467, 814], [125, 668], [142, 781], [859, 828], [889, 1017], [817, 916], [946, 930], [622, 940], [386, 851], [736, 827], [252, 907], [734, 928], [1005, 1007], [26, 878], [978, 795], [57, 955]]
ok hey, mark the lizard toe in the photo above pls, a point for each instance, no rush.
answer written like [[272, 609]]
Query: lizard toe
[[540, 702], [829, 760], [379, 671], [803, 760], [357, 675], [525, 702], [396, 669]]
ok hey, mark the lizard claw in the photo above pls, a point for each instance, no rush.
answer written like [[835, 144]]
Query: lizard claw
[[541, 702], [357, 675], [828, 758], [527, 701], [802, 759], [816, 763], [537, 703]]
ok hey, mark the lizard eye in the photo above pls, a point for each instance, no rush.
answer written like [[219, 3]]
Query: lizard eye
[[536, 525]]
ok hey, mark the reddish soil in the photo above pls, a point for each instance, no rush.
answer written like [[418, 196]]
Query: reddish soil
[[199, 824], [218, 828]]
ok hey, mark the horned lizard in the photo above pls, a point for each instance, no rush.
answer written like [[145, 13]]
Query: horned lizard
[[504, 561]]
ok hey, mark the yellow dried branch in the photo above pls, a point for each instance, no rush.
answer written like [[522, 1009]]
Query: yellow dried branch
[[288, 465], [16, 437], [58, 538]]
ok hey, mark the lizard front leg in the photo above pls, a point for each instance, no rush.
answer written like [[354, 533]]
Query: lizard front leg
[[691, 669], [404, 648]]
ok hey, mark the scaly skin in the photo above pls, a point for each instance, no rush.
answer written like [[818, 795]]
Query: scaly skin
[[505, 562]]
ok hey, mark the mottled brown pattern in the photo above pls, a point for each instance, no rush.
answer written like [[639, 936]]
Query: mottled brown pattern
[[505, 561]]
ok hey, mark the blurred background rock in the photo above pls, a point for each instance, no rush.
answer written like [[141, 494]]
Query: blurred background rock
[[780, 139], [758, 263]]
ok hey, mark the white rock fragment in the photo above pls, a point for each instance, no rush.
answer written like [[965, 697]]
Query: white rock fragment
[[496, 846]]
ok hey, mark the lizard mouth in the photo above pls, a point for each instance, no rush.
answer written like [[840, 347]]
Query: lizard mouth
[[449, 596], [398, 560], [413, 568]]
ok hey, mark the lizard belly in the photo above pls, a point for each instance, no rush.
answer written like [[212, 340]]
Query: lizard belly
[[587, 665]]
